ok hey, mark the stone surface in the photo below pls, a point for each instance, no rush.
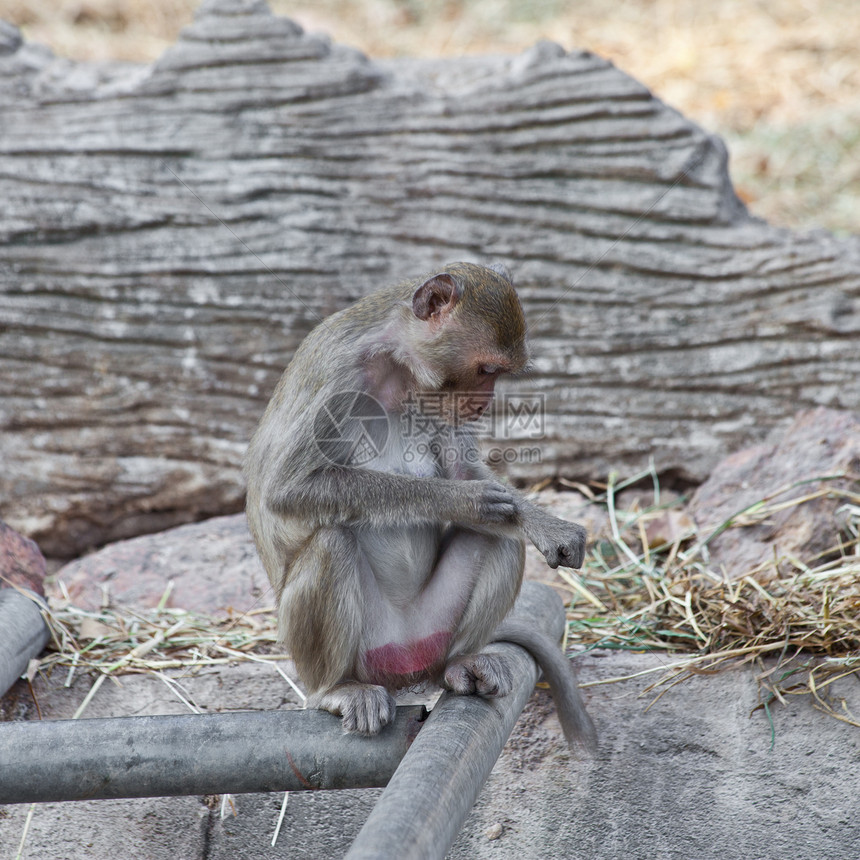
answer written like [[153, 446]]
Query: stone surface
[[694, 771], [171, 232], [694, 776], [150, 828], [820, 442]]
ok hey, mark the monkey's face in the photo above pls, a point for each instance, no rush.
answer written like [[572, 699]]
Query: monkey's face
[[468, 395], [468, 329]]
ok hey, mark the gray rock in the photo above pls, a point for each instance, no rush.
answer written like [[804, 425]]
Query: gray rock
[[699, 772], [694, 775]]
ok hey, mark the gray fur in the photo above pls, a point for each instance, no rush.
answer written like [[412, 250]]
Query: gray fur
[[393, 551]]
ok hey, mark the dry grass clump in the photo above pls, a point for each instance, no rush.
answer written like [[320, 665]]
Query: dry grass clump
[[670, 597], [123, 641]]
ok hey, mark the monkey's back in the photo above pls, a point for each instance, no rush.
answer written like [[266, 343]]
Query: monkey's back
[[283, 452]]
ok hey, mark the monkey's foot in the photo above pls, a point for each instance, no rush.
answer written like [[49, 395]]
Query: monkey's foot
[[484, 674], [365, 708]]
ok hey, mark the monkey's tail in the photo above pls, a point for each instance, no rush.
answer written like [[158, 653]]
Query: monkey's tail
[[559, 673]]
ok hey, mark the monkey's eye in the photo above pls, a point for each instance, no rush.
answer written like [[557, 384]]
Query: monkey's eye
[[488, 370]]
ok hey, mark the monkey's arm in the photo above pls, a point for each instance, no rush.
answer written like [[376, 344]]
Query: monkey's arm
[[354, 495], [560, 542]]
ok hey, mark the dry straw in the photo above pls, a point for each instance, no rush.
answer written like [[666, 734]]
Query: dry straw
[[120, 641], [803, 615]]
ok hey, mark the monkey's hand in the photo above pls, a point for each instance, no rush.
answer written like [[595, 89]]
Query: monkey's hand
[[495, 503], [560, 542]]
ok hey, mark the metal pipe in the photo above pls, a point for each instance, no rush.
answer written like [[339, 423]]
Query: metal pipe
[[195, 754], [427, 800], [23, 633], [418, 816]]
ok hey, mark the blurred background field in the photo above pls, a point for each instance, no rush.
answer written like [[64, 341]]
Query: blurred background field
[[779, 80]]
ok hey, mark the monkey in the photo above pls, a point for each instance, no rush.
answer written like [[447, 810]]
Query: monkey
[[394, 552]]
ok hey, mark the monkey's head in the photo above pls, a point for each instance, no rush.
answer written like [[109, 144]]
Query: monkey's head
[[470, 330]]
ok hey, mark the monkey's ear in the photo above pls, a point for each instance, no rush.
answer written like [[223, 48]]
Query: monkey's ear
[[436, 297], [501, 269]]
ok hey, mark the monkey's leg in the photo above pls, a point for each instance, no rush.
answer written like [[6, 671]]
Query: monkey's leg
[[497, 566], [366, 708], [322, 614], [485, 674], [497, 584]]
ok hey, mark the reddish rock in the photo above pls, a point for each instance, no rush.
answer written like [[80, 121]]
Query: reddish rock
[[820, 442], [21, 561], [213, 566]]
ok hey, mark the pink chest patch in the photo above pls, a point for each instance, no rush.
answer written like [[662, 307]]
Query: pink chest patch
[[400, 660]]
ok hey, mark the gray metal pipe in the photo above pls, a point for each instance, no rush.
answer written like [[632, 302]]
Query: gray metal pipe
[[427, 800], [23, 633], [419, 815], [160, 756]]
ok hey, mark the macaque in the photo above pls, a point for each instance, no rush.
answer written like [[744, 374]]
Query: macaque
[[394, 553]]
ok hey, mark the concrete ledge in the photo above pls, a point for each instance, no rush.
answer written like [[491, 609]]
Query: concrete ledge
[[693, 777]]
